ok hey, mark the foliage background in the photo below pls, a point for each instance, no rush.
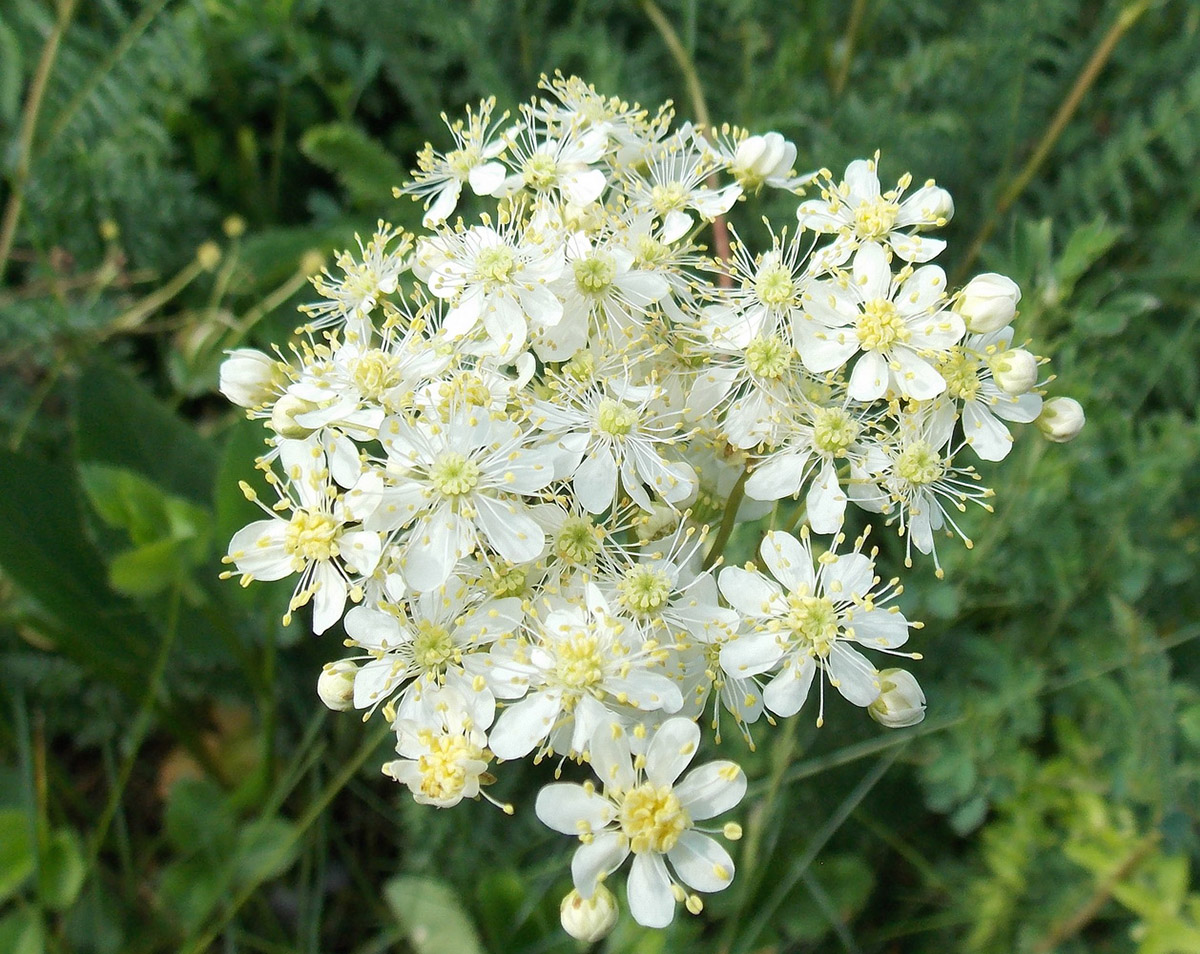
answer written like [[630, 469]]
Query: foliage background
[[167, 781]]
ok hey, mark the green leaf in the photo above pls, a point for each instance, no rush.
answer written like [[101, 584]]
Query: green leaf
[[22, 932], [1086, 246], [362, 165], [197, 818], [431, 915], [16, 852], [266, 848], [149, 569], [62, 870], [120, 423]]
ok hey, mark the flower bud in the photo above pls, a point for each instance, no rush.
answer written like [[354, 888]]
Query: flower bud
[[335, 685], [988, 302], [589, 920], [209, 255], [933, 203], [762, 159], [1061, 419], [283, 417], [901, 703], [249, 377], [1015, 371]]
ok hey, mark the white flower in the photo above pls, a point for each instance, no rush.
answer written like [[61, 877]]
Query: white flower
[[1061, 419], [364, 281], [335, 685], [558, 166], [445, 759], [901, 702], [857, 212], [318, 541], [758, 160], [810, 620], [439, 178], [897, 326], [584, 667], [988, 302], [645, 809]]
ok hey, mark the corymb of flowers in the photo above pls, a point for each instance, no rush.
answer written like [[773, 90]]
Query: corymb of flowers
[[509, 455]]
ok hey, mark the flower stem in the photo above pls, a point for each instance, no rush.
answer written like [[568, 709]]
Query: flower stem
[[732, 505]]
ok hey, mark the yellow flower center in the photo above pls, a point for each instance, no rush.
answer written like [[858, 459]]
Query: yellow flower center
[[465, 389], [508, 581], [652, 818], [540, 172], [614, 418], [774, 285], [494, 264], [671, 197], [813, 621], [650, 250], [460, 162], [645, 590], [961, 372], [874, 218], [768, 357], [579, 661], [443, 774], [453, 475], [577, 542], [834, 431], [594, 273], [432, 645], [311, 535], [920, 464], [375, 373], [880, 326]]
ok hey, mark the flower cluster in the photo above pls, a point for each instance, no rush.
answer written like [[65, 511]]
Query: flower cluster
[[509, 454]]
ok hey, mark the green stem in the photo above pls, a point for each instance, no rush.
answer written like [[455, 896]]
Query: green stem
[[29, 119], [732, 505], [857, 12]]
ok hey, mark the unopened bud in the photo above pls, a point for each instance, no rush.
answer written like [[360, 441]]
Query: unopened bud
[[234, 226], [589, 919], [988, 302], [932, 203], [1015, 371], [283, 417], [249, 378], [763, 158], [209, 256], [1061, 419], [901, 701], [335, 685]]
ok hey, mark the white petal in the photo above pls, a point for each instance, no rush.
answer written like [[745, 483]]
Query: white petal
[[880, 628], [785, 694], [258, 549], [750, 593], [711, 789], [826, 501], [916, 377], [862, 180], [487, 178], [610, 757], [778, 477], [849, 575], [601, 857], [872, 275], [572, 809], [701, 863], [789, 561], [330, 599], [750, 654], [649, 891], [595, 480], [868, 380], [523, 725], [671, 750], [853, 675], [514, 534], [987, 436]]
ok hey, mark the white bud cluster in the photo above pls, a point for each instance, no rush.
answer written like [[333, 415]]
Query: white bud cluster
[[508, 454]]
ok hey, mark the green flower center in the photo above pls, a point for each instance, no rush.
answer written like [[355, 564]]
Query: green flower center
[[880, 326], [375, 373], [577, 542], [495, 264], [920, 464], [834, 431], [774, 285], [652, 818], [813, 621], [614, 418], [311, 535], [453, 475], [961, 372], [768, 357], [645, 590], [594, 273], [443, 774], [579, 662], [671, 197], [650, 251], [508, 581], [432, 645], [540, 172]]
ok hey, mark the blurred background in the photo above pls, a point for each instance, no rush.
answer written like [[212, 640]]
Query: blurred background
[[172, 172]]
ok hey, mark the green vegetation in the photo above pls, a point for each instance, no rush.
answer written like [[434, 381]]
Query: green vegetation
[[173, 170]]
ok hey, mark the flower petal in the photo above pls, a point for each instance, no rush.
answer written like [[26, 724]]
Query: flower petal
[[701, 862], [648, 890], [711, 789], [671, 750], [573, 809]]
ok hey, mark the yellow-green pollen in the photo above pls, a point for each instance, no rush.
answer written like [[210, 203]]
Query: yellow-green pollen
[[961, 371], [432, 645], [645, 590], [466, 389], [671, 197], [880, 326], [508, 581], [920, 464], [580, 663], [442, 773], [577, 543], [494, 264], [768, 357], [652, 818], [834, 431], [813, 621], [375, 373], [453, 475], [311, 535], [540, 172], [614, 418], [594, 273], [774, 285], [874, 218]]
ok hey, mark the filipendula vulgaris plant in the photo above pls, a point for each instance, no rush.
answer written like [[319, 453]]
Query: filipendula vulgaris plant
[[508, 454]]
